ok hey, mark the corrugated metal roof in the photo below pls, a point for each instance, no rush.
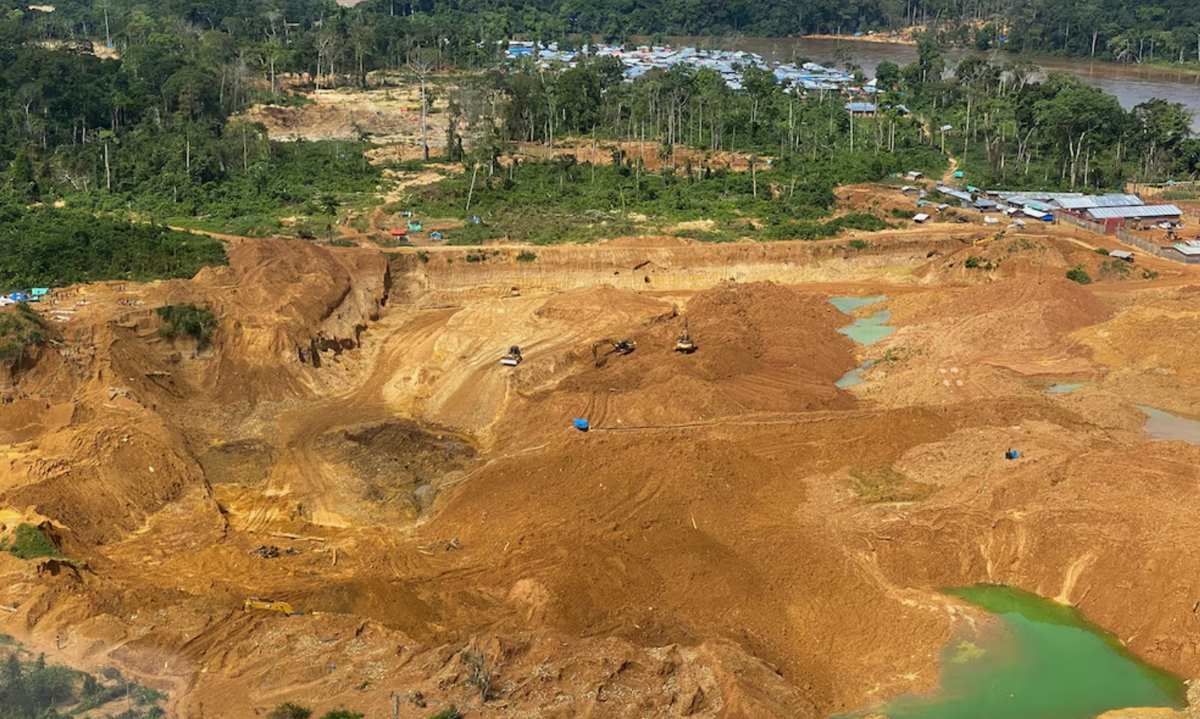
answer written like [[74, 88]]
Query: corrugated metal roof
[[1143, 211], [1187, 249], [1113, 200], [860, 106]]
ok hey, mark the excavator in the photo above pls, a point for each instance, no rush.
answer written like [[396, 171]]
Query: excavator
[[620, 347], [685, 343], [269, 605], [513, 358]]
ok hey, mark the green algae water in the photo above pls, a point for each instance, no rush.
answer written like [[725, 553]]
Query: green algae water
[[869, 330], [847, 304], [866, 330], [1043, 661]]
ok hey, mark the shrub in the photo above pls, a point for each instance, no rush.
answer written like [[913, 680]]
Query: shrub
[[29, 542], [479, 674], [857, 244], [19, 330], [1118, 269], [1080, 275], [526, 256], [190, 320], [342, 714], [289, 710], [422, 255], [451, 713]]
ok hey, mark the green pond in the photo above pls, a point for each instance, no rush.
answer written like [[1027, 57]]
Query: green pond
[[869, 330], [865, 330], [1042, 660], [849, 304]]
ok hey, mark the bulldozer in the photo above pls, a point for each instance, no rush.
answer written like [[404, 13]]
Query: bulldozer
[[513, 358], [685, 343], [620, 347]]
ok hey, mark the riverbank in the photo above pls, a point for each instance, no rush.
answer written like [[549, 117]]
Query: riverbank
[[906, 36]]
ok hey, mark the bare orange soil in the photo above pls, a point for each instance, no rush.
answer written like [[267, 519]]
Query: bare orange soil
[[736, 536]]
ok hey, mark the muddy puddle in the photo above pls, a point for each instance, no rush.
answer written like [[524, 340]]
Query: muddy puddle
[[864, 330], [854, 377], [399, 462], [1164, 426], [1065, 388], [1039, 660]]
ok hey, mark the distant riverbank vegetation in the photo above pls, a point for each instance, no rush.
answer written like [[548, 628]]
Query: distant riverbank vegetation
[[379, 33], [153, 132]]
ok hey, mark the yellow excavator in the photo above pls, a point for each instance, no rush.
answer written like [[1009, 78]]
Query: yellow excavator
[[269, 605], [620, 347], [685, 343]]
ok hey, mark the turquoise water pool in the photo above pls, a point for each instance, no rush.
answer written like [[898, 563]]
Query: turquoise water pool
[[1041, 661]]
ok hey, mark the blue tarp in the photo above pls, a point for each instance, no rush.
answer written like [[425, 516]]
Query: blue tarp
[[581, 424], [1012, 454]]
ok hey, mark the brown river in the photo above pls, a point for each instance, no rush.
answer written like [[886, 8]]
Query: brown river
[[1131, 84]]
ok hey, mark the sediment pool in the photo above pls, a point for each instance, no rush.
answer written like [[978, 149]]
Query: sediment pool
[[865, 330], [1040, 660], [1166, 426]]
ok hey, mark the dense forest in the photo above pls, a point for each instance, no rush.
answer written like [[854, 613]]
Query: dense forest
[[379, 32], [151, 128], [50, 247]]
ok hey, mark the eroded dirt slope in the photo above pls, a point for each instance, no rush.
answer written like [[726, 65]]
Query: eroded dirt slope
[[736, 536]]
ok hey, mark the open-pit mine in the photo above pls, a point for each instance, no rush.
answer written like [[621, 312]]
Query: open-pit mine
[[876, 466]]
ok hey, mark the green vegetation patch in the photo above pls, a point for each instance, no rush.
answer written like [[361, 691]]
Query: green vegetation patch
[[52, 247], [187, 320], [1080, 275], [20, 329], [884, 484], [814, 230], [29, 542], [307, 180], [32, 689], [564, 202]]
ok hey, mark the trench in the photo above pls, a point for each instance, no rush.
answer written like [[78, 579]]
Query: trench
[[1034, 659]]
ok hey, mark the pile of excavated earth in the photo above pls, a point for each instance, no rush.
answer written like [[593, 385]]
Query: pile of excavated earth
[[346, 501]]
